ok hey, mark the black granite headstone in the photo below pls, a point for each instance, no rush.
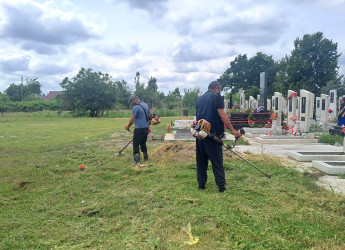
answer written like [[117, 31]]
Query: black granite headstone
[[323, 106], [304, 103]]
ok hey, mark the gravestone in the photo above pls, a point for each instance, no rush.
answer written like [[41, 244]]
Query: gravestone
[[292, 102], [312, 106], [298, 102], [251, 102], [318, 109], [278, 110], [269, 107], [226, 103], [272, 102], [324, 109], [284, 106], [246, 104], [242, 100], [333, 102], [263, 90], [258, 101], [305, 110]]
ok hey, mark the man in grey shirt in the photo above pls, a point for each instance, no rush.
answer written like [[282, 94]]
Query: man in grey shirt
[[140, 115]]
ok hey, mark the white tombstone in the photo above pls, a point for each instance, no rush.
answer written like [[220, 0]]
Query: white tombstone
[[284, 106], [324, 109], [292, 103], [242, 100], [305, 110], [226, 103], [312, 106], [246, 104], [272, 102], [298, 102], [333, 102], [251, 102], [278, 110], [318, 109], [269, 107], [258, 101]]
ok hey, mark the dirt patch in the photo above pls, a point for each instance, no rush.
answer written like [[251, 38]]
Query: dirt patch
[[175, 151], [21, 184], [178, 151]]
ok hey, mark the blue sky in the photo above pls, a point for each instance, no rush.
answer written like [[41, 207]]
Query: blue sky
[[183, 43]]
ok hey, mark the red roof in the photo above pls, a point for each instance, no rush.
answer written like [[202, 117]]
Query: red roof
[[51, 95]]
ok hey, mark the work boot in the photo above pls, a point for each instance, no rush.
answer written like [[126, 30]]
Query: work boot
[[136, 157], [221, 188], [146, 156]]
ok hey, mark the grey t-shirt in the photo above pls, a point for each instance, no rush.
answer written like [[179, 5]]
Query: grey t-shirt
[[141, 120]]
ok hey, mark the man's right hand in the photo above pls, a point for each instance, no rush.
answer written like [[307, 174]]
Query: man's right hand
[[237, 134]]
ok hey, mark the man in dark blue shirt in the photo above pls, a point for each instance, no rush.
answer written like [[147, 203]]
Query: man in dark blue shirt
[[210, 106], [140, 115]]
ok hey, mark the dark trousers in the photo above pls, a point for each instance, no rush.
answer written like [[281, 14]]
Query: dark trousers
[[206, 150], [139, 139]]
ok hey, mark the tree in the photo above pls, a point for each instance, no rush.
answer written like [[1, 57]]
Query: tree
[[3, 103], [15, 92], [313, 63], [173, 99], [244, 73], [190, 96], [33, 87], [89, 91], [30, 91], [122, 92]]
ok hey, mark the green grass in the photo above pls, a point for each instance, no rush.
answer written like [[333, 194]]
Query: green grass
[[42, 187]]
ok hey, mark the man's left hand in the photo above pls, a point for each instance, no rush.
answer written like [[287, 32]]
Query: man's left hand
[[127, 127]]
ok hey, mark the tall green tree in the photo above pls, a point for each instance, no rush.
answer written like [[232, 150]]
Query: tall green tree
[[245, 73], [89, 91], [122, 92], [4, 100], [25, 92], [190, 96], [313, 63], [173, 99]]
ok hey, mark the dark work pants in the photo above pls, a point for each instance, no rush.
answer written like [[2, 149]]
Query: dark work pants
[[206, 150], [139, 139]]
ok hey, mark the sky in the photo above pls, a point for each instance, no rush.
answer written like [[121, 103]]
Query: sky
[[182, 43]]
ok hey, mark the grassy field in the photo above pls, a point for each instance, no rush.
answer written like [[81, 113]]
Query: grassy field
[[46, 201]]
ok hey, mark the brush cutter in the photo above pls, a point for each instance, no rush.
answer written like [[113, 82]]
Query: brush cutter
[[229, 147], [121, 151]]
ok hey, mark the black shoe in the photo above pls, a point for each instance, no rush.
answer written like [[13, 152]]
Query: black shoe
[[202, 186], [221, 188], [136, 157], [146, 156]]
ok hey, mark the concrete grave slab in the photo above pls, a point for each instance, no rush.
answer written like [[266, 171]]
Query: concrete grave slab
[[330, 167], [318, 156], [284, 140]]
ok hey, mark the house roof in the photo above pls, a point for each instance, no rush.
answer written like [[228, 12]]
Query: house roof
[[51, 95]]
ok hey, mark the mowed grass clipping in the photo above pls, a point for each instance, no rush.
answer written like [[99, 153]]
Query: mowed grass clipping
[[46, 201]]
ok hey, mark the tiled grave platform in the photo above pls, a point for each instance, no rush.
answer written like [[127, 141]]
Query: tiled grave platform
[[330, 167], [318, 156], [284, 140]]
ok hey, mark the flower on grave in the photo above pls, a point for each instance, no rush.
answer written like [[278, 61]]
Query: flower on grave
[[330, 111], [258, 109], [251, 123], [274, 116], [294, 118], [82, 167]]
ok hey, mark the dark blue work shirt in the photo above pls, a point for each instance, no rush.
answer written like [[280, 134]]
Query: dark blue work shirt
[[206, 108]]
